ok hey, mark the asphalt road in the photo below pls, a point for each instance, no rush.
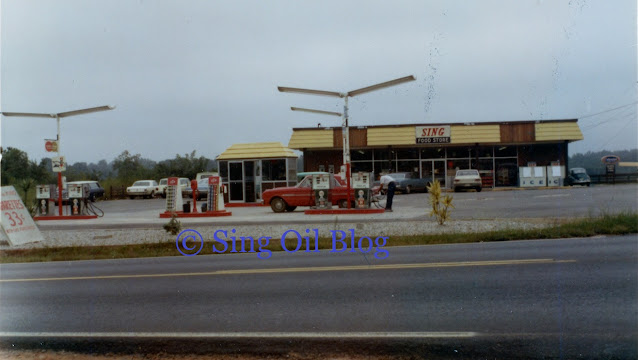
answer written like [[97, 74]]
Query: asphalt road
[[556, 298]]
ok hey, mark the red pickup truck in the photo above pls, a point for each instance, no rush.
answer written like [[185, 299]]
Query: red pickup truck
[[288, 198]]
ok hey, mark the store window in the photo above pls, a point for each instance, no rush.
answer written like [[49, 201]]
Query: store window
[[274, 170], [223, 171], [408, 154], [408, 166], [458, 152], [365, 166], [505, 151], [433, 153], [482, 152], [356, 155], [383, 154]]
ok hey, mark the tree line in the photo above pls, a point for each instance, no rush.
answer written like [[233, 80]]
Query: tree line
[[23, 173]]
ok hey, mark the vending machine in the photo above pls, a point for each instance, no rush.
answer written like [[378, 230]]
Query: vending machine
[[532, 176], [43, 196], [555, 175], [321, 186], [362, 185]]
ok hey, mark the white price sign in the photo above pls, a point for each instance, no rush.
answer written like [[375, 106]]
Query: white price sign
[[16, 220]]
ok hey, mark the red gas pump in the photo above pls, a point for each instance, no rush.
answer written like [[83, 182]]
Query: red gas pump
[[195, 194]]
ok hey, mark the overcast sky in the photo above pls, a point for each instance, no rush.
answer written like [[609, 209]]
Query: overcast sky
[[203, 75]]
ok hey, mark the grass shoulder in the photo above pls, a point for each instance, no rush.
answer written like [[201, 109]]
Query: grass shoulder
[[608, 224]]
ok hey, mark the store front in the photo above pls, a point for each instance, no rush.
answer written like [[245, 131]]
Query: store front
[[249, 169], [437, 151]]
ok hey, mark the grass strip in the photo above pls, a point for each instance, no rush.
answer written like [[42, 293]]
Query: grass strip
[[616, 224]]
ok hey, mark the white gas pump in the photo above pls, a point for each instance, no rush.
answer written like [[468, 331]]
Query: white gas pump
[[43, 194], [215, 198], [362, 183], [174, 201], [78, 193], [321, 189]]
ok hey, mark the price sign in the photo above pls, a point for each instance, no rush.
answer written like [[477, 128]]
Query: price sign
[[17, 223]]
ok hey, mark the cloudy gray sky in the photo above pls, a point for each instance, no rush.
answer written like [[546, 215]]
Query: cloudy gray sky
[[203, 75]]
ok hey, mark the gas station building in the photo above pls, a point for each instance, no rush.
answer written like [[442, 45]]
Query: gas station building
[[435, 151], [249, 169]]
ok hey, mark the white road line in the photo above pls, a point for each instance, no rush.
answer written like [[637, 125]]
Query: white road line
[[266, 335]]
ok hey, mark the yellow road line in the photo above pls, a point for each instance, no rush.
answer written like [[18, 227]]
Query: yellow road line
[[304, 269]]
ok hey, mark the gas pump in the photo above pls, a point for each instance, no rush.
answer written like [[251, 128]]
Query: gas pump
[[42, 195], [78, 193], [321, 189], [195, 194], [362, 183], [215, 198], [173, 195]]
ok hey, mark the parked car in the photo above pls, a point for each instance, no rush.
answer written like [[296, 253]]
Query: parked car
[[407, 182], [160, 189], [142, 188], [578, 176], [467, 179], [95, 189], [205, 175], [202, 190], [288, 198]]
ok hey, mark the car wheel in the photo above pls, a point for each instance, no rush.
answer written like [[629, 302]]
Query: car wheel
[[408, 189], [278, 205], [164, 195], [588, 184], [456, 189], [152, 194], [478, 189], [290, 208], [131, 197]]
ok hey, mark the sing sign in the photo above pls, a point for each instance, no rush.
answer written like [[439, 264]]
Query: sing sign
[[433, 134]]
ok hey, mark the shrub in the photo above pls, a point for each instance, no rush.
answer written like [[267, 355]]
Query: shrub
[[440, 204]]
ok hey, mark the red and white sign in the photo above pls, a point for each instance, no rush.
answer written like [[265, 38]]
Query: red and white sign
[[213, 180], [432, 134], [17, 223], [172, 181], [51, 145]]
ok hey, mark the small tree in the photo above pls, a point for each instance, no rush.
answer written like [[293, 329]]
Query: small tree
[[440, 205]]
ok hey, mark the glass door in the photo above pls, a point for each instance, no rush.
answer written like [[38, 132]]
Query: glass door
[[434, 170], [236, 181]]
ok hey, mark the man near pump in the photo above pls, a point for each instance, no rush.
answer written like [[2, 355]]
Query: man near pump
[[387, 182]]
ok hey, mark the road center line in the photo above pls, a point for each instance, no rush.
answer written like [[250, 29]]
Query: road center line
[[303, 269]]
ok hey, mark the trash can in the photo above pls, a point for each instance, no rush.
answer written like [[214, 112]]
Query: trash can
[[187, 207]]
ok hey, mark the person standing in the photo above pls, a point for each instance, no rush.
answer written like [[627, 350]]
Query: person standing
[[388, 182]]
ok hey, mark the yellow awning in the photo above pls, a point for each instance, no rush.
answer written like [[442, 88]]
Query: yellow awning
[[400, 135], [551, 131], [467, 134], [311, 138], [265, 150]]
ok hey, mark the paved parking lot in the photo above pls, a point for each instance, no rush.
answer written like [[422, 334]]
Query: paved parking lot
[[486, 205]]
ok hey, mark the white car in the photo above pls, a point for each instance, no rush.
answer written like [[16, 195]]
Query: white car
[[161, 188], [467, 179], [142, 188]]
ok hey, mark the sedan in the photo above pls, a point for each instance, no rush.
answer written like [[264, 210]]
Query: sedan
[[467, 179], [578, 176], [407, 182], [142, 188]]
